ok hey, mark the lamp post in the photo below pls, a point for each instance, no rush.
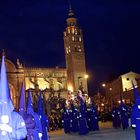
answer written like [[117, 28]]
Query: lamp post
[[86, 76], [103, 85]]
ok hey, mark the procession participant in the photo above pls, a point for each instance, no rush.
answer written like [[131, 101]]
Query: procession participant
[[124, 114], [135, 115], [116, 117], [83, 129], [65, 119], [12, 125], [37, 133], [43, 118], [29, 120]]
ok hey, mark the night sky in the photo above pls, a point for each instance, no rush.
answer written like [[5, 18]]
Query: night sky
[[33, 32]]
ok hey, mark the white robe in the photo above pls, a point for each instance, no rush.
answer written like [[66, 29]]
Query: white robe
[[18, 128]]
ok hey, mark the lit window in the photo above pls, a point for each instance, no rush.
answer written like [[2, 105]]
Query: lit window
[[80, 39], [69, 30], [67, 50], [76, 31], [72, 38], [79, 50], [72, 30]]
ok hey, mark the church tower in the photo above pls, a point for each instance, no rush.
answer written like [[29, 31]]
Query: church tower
[[74, 54]]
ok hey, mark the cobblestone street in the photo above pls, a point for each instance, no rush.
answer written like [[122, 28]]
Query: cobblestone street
[[106, 133]]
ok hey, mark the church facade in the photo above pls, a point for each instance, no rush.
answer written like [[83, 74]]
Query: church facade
[[53, 81]]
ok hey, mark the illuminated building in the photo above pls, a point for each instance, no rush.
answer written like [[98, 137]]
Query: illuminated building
[[75, 54], [122, 86], [53, 81]]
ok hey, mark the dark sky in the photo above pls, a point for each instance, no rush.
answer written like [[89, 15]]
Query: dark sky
[[32, 31]]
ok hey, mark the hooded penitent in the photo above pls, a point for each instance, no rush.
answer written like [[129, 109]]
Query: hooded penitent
[[124, 114], [6, 105], [115, 117], [12, 125], [73, 113], [38, 128], [43, 117], [82, 118], [135, 115], [65, 119], [29, 120], [22, 103]]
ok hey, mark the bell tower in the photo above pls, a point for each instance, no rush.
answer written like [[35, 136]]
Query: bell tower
[[74, 54]]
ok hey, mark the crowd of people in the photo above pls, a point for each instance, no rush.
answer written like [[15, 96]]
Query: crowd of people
[[55, 122], [83, 117]]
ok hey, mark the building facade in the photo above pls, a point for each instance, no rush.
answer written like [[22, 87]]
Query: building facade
[[122, 86], [114, 90], [53, 81], [75, 54]]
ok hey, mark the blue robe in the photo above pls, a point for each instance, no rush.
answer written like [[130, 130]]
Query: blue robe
[[43, 118], [44, 123], [83, 128], [29, 120], [66, 121], [73, 113], [135, 120], [116, 118], [30, 125], [18, 128], [124, 116], [38, 128], [94, 119]]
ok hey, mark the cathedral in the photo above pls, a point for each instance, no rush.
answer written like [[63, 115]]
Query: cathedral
[[53, 81]]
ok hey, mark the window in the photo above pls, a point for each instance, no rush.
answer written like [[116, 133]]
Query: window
[[79, 50], [72, 38], [76, 31], [127, 79], [72, 30], [69, 30], [69, 49], [80, 39]]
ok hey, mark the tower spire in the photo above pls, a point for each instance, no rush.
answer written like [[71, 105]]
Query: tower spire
[[71, 13], [70, 8]]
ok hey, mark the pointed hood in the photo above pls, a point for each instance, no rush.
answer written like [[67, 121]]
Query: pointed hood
[[30, 109], [136, 95], [41, 110], [22, 103], [6, 104]]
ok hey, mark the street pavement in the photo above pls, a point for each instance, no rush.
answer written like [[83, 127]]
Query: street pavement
[[106, 132]]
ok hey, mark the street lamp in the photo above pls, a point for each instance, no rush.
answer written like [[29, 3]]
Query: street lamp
[[103, 85], [86, 76], [70, 87]]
